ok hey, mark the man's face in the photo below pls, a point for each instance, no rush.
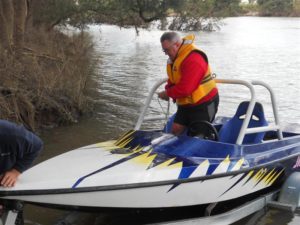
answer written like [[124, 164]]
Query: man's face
[[170, 48]]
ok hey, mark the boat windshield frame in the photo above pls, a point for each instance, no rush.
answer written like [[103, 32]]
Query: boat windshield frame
[[244, 129]]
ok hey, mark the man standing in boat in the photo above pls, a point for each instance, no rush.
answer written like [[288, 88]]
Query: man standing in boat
[[18, 148], [190, 82]]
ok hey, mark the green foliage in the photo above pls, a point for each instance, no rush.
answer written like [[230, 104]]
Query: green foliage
[[227, 8], [202, 15], [249, 9], [187, 14], [52, 12], [124, 12], [275, 7], [192, 15]]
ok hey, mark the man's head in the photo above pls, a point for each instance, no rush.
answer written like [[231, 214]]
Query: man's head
[[170, 43]]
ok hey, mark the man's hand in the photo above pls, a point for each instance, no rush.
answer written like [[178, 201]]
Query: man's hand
[[9, 178], [163, 95]]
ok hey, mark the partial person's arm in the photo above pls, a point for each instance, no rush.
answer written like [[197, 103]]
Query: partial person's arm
[[29, 148], [19, 148]]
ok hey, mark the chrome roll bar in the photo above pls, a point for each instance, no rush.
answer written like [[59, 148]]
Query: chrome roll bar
[[147, 104], [244, 129]]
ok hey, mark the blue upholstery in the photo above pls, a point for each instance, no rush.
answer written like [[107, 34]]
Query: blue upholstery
[[230, 130]]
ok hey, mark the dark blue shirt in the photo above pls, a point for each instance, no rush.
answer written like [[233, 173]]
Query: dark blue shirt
[[18, 147]]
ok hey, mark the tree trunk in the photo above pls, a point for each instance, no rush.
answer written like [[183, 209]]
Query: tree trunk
[[296, 5], [29, 18], [20, 14], [6, 21], [8, 12]]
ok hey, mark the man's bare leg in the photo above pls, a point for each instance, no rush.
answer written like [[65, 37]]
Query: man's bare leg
[[178, 129]]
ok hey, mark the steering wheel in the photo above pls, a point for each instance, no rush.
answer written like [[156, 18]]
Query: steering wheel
[[203, 129]]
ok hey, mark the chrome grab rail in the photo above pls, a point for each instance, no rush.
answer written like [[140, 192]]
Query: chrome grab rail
[[147, 103], [274, 107]]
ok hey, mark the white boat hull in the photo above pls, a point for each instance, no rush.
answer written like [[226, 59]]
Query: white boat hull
[[95, 176]]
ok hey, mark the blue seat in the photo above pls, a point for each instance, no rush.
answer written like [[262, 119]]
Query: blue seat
[[230, 130]]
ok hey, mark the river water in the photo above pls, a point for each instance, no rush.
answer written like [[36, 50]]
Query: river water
[[250, 48]]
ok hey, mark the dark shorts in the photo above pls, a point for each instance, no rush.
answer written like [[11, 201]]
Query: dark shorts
[[186, 115]]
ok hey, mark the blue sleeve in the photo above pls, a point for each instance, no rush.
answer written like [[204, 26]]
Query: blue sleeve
[[29, 149], [23, 145]]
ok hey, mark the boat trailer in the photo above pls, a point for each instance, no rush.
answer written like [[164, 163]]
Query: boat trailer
[[287, 198]]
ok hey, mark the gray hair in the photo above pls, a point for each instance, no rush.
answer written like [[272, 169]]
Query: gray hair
[[170, 36]]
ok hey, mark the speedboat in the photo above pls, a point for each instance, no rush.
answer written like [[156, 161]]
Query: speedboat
[[153, 169]]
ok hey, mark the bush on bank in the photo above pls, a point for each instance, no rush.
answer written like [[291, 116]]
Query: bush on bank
[[44, 83]]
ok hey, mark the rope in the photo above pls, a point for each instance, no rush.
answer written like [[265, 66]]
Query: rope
[[166, 113]]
